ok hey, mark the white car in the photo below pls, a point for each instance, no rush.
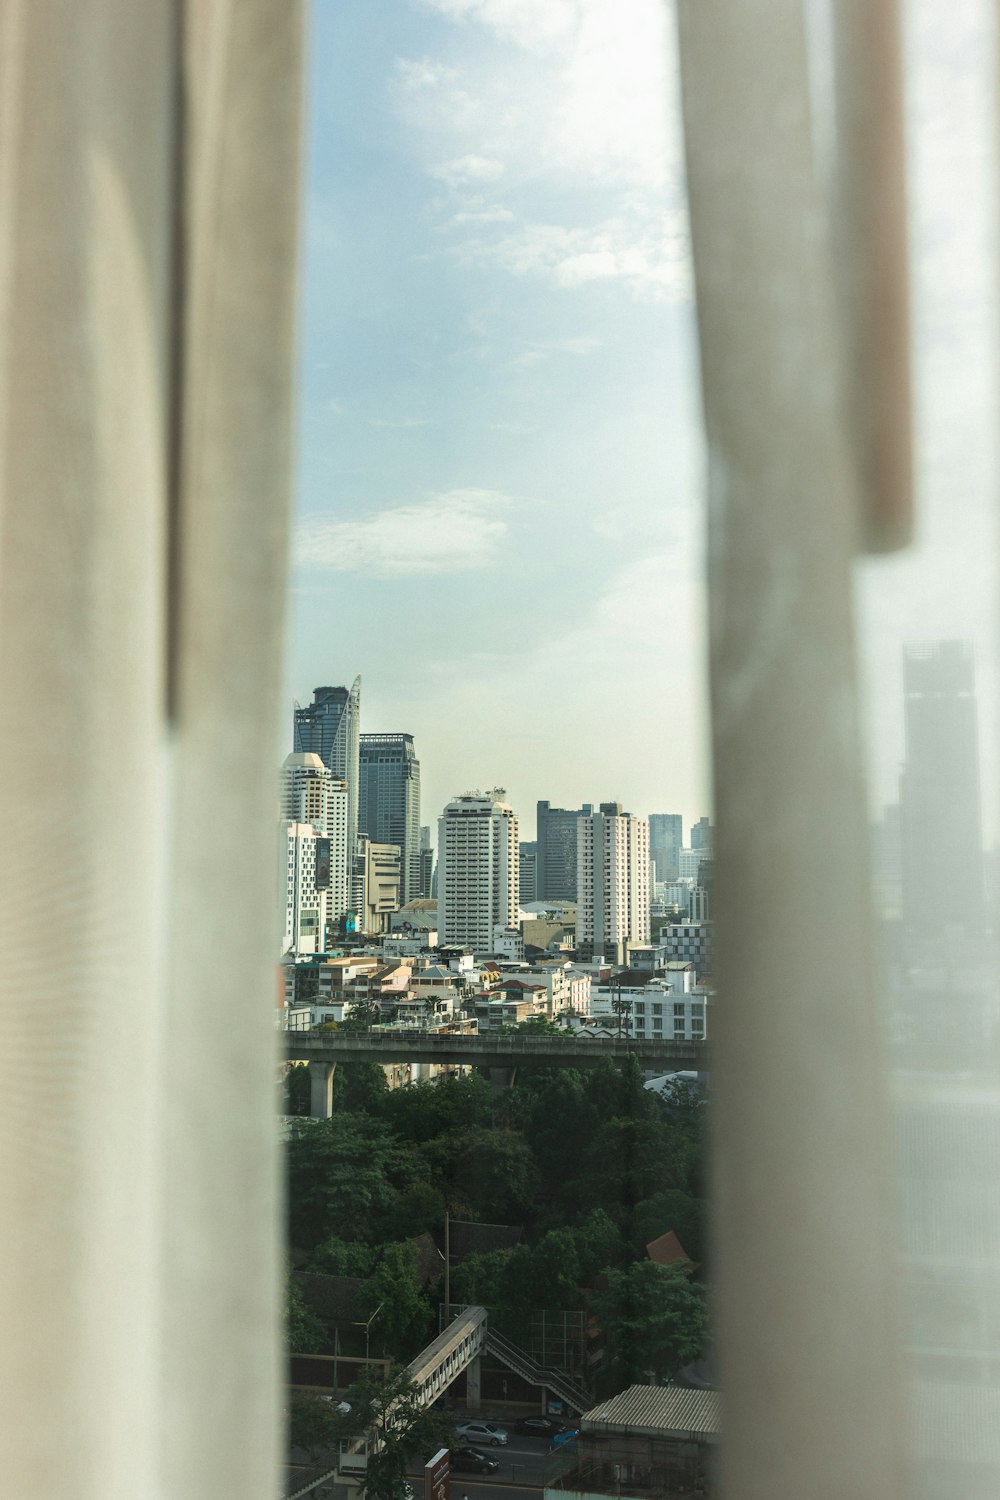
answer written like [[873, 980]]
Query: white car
[[482, 1432]]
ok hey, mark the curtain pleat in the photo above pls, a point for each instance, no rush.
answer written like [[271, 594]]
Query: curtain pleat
[[808, 1339], [148, 182]]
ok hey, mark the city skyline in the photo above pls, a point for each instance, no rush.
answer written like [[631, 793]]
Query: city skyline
[[501, 425]]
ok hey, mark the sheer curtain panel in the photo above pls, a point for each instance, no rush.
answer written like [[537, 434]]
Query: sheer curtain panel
[[148, 186], [808, 1348]]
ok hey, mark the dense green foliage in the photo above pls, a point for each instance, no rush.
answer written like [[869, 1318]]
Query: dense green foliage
[[304, 1332], [590, 1163], [655, 1319]]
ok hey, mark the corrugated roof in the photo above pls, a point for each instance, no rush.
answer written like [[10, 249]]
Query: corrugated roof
[[657, 1411]]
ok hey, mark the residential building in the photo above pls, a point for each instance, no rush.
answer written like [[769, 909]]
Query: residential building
[[690, 942], [666, 838], [508, 942], [379, 869], [389, 800], [330, 727], [310, 795], [556, 853], [940, 808], [613, 891], [478, 869], [306, 891], [528, 866]]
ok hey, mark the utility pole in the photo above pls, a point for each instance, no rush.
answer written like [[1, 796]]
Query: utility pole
[[447, 1267]]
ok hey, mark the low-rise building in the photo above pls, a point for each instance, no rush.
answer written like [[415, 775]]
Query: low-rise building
[[647, 1443], [693, 942]]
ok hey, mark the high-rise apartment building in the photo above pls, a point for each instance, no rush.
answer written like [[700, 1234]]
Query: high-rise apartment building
[[330, 727], [940, 810], [666, 839], [426, 864], [528, 869], [613, 889], [557, 844], [315, 862], [389, 801], [477, 869]]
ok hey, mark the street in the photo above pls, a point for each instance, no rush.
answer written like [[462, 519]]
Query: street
[[519, 1475]]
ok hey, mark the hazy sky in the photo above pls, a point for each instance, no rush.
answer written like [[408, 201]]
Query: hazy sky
[[500, 450]]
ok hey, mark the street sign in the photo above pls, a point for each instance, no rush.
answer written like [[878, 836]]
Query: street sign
[[436, 1472]]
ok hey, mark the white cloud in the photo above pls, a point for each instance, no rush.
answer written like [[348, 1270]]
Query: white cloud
[[451, 532], [416, 73], [649, 256], [536, 352], [534, 25], [469, 168], [493, 214]]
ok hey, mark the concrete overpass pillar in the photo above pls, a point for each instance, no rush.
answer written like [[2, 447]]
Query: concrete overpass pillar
[[502, 1078], [473, 1384], [321, 1089]]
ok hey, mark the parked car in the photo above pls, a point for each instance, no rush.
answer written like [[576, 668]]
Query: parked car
[[482, 1432], [471, 1461], [539, 1426]]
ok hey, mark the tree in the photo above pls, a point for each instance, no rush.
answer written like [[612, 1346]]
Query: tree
[[495, 1171], [295, 1089], [313, 1423], [599, 1245], [421, 1111], [305, 1333], [403, 1323], [344, 1171], [336, 1257], [555, 1271], [655, 1319], [359, 1086], [399, 1428]]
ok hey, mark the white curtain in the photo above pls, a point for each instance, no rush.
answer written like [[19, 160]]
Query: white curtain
[[806, 410], [148, 188]]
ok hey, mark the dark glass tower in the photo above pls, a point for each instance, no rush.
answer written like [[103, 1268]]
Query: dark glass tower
[[330, 726], [389, 801], [556, 856]]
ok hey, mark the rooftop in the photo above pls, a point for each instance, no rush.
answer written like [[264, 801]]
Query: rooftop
[[657, 1411]]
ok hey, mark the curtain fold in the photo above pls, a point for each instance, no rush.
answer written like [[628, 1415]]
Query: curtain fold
[[148, 183], [807, 1325]]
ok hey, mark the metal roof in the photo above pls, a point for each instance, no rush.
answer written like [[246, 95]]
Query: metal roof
[[657, 1411]]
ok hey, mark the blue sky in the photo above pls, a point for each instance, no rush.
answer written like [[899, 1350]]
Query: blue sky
[[499, 486], [499, 489]]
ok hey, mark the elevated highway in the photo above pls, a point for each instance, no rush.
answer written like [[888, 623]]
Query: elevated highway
[[501, 1053]]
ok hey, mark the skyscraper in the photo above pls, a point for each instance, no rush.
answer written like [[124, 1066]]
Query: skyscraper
[[315, 864], [389, 800], [528, 867], [702, 834], [556, 839], [477, 869], [330, 727], [666, 838], [940, 811], [613, 882]]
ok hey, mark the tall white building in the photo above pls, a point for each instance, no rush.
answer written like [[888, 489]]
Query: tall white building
[[613, 891], [315, 870], [477, 869]]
